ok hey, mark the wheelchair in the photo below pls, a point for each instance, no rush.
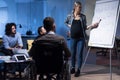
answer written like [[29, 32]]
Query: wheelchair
[[51, 64]]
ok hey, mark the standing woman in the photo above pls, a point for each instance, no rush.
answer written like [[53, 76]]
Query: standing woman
[[77, 24]]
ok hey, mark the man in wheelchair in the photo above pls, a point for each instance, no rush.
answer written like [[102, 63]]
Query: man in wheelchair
[[51, 53]]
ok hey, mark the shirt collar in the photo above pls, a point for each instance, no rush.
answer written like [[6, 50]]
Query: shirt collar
[[51, 32]]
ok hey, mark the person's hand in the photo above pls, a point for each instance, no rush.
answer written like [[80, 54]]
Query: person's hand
[[95, 25]]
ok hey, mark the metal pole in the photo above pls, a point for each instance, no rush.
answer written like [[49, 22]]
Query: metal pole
[[85, 58], [110, 66]]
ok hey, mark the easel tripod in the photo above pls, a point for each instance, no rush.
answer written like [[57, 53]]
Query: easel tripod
[[110, 52]]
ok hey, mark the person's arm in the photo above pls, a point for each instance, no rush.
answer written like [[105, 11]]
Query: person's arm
[[10, 48], [20, 43], [6, 43], [68, 21], [69, 25], [94, 25], [66, 50]]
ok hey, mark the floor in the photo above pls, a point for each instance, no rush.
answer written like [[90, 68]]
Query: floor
[[97, 67], [100, 70]]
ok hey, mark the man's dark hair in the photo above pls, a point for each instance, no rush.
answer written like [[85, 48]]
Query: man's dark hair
[[48, 23], [8, 28]]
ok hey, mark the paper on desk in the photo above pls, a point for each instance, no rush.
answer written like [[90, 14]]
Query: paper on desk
[[18, 50], [5, 58]]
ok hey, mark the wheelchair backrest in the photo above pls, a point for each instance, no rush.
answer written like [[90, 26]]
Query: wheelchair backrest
[[48, 56]]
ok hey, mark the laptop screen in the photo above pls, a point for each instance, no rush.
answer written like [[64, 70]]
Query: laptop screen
[[20, 57]]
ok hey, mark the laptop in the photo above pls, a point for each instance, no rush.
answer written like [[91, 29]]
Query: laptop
[[19, 57]]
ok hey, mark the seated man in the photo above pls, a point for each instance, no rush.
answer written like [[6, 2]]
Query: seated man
[[11, 39], [46, 43], [50, 27], [41, 31]]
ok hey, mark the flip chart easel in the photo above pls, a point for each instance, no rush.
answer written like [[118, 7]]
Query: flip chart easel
[[104, 36]]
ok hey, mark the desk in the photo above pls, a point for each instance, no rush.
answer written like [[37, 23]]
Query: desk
[[29, 63]]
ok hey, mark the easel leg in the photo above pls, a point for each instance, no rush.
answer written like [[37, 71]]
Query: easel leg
[[110, 62], [110, 65], [85, 58]]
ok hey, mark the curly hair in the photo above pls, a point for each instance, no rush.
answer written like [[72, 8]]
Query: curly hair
[[8, 28]]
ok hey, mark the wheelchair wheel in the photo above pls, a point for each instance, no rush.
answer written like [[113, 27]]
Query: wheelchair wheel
[[30, 72], [66, 72]]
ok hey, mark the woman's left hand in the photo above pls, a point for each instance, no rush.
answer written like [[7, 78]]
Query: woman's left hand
[[95, 25]]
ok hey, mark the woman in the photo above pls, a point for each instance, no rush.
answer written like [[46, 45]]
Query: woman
[[77, 24]]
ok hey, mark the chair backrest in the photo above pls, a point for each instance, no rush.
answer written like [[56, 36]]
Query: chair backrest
[[29, 44], [48, 56]]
